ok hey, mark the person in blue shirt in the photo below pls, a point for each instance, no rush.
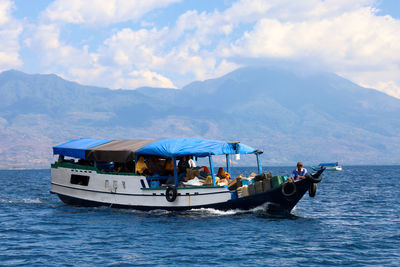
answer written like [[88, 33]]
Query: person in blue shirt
[[300, 172]]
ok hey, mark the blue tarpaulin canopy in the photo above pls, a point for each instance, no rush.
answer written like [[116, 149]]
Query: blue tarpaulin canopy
[[329, 164], [175, 147], [77, 148], [124, 150]]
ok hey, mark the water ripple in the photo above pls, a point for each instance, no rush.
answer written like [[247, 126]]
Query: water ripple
[[353, 220]]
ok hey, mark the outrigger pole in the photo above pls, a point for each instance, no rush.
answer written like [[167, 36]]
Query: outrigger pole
[[175, 173]]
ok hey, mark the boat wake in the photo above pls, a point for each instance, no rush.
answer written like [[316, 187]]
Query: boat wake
[[209, 212], [202, 212]]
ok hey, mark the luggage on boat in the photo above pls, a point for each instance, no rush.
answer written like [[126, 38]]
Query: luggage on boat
[[266, 184], [239, 192], [258, 187], [245, 191], [276, 181], [234, 184], [263, 176], [252, 175], [252, 189]]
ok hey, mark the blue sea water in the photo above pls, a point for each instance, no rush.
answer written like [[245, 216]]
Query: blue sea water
[[353, 220]]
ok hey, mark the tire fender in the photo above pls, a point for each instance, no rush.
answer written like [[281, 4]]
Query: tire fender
[[289, 188], [171, 193], [312, 190]]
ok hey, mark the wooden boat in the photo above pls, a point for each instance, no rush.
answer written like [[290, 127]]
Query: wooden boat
[[96, 172]]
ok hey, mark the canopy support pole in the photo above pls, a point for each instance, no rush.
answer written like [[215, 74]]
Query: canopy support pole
[[258, 163], [228, 163], [212, 169], [175, 172], [136, 161]]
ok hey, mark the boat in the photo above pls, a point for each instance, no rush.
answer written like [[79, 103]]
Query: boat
[[102, 172], [329, 166]]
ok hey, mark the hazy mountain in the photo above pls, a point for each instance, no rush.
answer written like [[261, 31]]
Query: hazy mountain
[[310, 117]]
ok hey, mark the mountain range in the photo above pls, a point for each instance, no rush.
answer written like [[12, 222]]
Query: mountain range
[[292, 116]]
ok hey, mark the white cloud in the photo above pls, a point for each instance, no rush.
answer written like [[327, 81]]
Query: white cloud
[[355, 43], [147, 78], [112, 66], [5, 7], [46, 39], [101, 12], [146, 49], [10, 30], [116, 79], [343, 36]]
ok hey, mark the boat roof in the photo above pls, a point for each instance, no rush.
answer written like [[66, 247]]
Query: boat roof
[[126, 150], [329, 164]]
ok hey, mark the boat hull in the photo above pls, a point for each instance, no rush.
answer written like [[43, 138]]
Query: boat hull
[[127, 192], [336, 168]]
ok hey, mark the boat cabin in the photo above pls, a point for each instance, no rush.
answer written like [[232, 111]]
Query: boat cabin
[[163, 162]]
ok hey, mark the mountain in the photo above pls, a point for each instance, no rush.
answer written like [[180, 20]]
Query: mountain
[[292, 116]]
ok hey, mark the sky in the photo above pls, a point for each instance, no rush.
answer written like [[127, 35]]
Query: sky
[[170, 43]]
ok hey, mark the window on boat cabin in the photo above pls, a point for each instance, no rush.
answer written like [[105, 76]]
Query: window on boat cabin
[[79, 179]]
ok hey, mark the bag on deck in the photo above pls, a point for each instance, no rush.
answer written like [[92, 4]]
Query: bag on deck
[[234, 184], [266, 184], [258, 187]]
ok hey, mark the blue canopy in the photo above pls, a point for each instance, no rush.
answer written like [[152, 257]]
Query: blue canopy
[[175, 147], [77, 148], [329, 164], [125, 150]]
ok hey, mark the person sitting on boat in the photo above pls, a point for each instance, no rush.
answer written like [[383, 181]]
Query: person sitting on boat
[[154, 165], [223, 174], [182, 166], [141, 165], [168, 167], [299, 172]]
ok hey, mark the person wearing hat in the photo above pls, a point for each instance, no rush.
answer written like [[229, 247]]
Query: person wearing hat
[[299, 172]]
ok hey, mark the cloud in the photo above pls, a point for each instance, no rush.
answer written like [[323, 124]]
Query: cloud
[[10, 30], [343, 36], [110, 66], [5, 7], [55, 53], [160, 50], [356, 44], [101, 12]]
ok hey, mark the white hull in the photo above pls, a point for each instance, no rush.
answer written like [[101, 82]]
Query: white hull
[[126, 190]]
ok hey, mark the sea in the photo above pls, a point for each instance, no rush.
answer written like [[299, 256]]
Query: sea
[[354, 220]]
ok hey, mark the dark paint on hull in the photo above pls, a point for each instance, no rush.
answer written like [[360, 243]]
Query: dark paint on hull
[[277, 201]]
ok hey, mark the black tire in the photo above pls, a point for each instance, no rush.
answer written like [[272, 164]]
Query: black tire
[[316, 177], [289, 188], [312, 190], [171, 193]]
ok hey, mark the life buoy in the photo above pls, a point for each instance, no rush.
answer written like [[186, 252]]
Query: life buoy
[[312, 190], [289, 188], [171, 193]]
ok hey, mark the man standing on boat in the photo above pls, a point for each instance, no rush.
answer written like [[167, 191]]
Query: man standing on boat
[[300, 172]]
